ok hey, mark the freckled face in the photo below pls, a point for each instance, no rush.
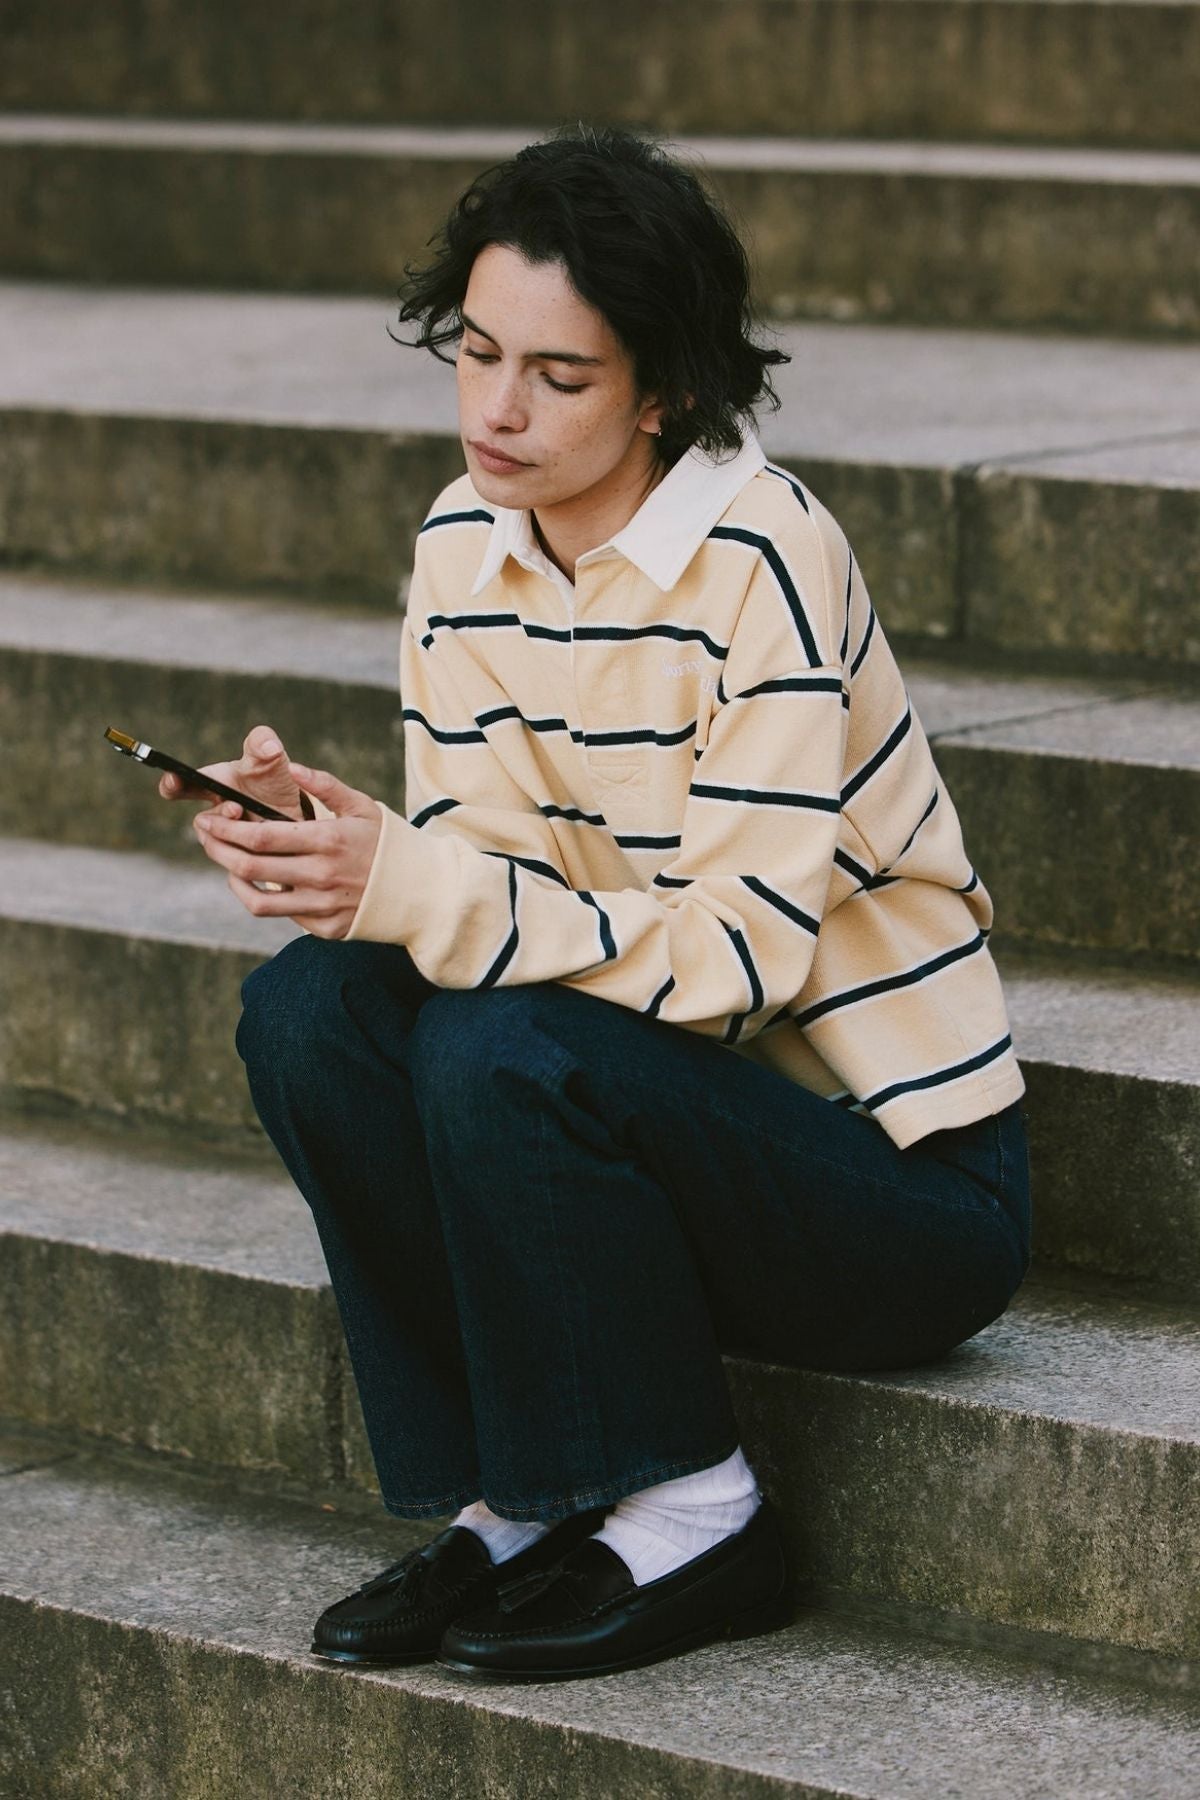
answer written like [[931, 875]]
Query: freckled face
[[547, 401]]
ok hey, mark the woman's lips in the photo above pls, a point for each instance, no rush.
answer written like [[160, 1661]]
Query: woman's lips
[[495, 462]]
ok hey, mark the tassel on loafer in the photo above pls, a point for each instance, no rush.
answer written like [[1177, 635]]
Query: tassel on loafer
[[400, 1615], [586, 1616]]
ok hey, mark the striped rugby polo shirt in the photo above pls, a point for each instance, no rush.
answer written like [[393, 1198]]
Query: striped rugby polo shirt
[[693, 785]]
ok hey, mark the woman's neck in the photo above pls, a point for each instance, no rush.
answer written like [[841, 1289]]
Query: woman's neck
[[571, 528]]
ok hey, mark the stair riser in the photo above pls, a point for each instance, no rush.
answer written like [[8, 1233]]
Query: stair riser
[[124, 1025], [1005, 1516], [108, 1708], [1113, 1159], [1025, 561], [307, 511], [876, 68], [991, 1513], [893, 246], [173, 1357], [200, 716], [1039, 826]]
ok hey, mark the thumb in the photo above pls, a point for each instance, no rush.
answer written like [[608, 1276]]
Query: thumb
[[343, 801]]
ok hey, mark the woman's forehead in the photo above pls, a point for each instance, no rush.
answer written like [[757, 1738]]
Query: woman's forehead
[[531, 308]]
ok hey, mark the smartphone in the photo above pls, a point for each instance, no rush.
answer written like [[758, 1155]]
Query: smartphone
[[158, 759]]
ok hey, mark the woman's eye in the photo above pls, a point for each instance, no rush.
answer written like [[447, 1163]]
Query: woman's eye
[[478, 355], [564, 387]]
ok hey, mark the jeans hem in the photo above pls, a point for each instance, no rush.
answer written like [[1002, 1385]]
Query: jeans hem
[[548, 1510], [430, 1509]]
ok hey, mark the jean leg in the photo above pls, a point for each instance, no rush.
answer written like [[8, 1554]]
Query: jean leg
[[324, 1035], [592, 1360]]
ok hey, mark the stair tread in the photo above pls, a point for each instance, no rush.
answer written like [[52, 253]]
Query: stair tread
[[893, 394], [1076, 1350], [828, 1704], [449, 143]]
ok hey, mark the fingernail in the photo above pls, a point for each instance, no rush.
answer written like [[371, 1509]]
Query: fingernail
[[271, 747]]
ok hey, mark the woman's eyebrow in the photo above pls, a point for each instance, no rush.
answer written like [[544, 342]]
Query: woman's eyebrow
[[563, 356]]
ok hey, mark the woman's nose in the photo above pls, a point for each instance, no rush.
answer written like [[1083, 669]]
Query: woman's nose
[[503, 408]]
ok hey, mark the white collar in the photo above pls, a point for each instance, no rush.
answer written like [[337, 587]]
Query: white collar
[[664, 533]]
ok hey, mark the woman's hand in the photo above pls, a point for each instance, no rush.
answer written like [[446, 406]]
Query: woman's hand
[[261, 770], [318, 867]]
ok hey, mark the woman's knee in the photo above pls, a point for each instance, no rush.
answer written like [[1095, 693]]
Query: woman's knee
[[474, 1051], [296, 1004]]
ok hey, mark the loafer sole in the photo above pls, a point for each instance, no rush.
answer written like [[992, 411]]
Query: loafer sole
[[388, 1659], [770, 1615]]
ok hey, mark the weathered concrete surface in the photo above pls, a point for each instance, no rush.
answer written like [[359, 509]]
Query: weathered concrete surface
[[1077, 73], [1043, 800], [159, 1623], [932, 234], [190, 676], [283, 441], [121, 979], [1112, 1066], [169, 1301]]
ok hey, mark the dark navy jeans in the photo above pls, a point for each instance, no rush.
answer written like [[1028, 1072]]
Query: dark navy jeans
[[546, 1217]]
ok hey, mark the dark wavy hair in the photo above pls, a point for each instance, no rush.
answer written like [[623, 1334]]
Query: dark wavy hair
[[645, 244]]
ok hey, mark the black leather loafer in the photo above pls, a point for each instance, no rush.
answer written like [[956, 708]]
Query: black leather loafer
[[587, 1616], [400, 1615]]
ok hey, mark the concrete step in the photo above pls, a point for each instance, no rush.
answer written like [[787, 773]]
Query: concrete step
[[1040, 1476], [159, 1626], [1034, 494], [152, 954], [966, 234], [1033, 763], [874, 68]]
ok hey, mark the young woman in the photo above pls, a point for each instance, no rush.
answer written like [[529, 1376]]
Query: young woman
[[663, 1024]]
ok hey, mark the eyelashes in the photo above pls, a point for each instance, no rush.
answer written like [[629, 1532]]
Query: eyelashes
[[560, 387]]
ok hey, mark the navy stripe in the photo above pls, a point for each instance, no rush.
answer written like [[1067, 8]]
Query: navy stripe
[[573, 814], [478, 517], [782, 475], [888, 984], [969, 886], [652, 1010], [680, 634], [911, 838], [413, 717], [894, 739], [675, 881], [644, 841], [533, 865], [864, 876], [775, 563], [846, 628], [795, 684], [432, 810], [707, 790], [509, 948], [644, 734], [489, 622], [756, 993], [864, 646], [786, 907], [607, 942], [940, 1076]]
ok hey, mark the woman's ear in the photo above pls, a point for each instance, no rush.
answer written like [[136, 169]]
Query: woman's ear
[[651, 418]]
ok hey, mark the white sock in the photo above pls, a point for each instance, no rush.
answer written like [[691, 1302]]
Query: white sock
[[662, 1527], [503, 1537]]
